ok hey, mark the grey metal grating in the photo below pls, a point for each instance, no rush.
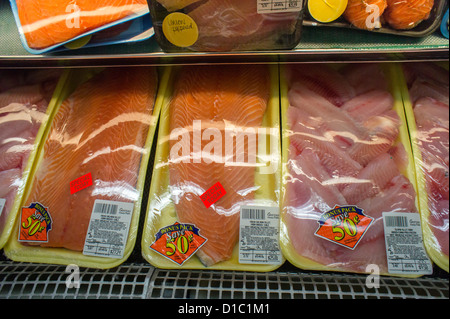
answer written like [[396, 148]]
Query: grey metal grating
[[285, 285], [27, 281], [142, 281]]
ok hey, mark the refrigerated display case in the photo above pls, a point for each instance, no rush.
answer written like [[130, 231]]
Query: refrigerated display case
[[136, 279]]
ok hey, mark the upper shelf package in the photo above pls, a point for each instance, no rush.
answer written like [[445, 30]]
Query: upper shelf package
[[226, 25], [46, 25], [398, 17]]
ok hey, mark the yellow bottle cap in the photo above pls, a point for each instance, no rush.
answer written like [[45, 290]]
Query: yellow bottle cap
[[326, 10]]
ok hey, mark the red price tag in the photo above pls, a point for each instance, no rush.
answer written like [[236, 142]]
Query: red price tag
[[213, 194], [80, 183]]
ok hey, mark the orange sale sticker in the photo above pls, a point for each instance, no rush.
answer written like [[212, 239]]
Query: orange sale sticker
[[344, 225], [178, 242], [35, 223]]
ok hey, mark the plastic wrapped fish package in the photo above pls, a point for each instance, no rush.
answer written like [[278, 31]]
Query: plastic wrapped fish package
[[46, 26], [226, 25], [427, 109], [25, 105], [348, 196], [214, 196], [415, 18], [398, 14], [83, 202]]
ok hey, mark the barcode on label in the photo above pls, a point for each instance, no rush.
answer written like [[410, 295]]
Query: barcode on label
[[396, 221], [109, 209], [259, 214]]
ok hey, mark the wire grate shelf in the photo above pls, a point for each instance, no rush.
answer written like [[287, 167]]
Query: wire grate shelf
[[141, 281]]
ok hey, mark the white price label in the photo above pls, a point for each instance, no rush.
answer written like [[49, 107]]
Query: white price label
[[404, 244], [259, 234], [274, 6], [108, 229], [2, 205]]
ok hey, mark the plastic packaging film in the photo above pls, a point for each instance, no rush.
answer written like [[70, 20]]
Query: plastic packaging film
[[425, 93], [44, 25], [413, 18], [348, 174], [399, 15], [25, 105], [214, 195], [83, 201], [226, 25]]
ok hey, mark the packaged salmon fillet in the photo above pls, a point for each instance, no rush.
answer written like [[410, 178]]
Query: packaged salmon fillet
[[349, 200], [426, 87], [412, 18], [226, 25], [83, 201], [45, 26], [27, 100], [214, 195]]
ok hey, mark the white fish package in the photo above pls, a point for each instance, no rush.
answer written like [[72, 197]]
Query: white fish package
[[25, 106], [348, 199], [226, 25], [427, 109]]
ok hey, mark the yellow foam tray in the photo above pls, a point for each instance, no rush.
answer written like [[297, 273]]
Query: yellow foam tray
[[16, 251], [161, 210]]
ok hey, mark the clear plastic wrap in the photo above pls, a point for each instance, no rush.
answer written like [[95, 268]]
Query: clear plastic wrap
[[226, 25], [411, 18], [406, 15], [45, 26], [427, 107], [213, 200], [397, 14], [25, 106], [346, 163], [84, 198]]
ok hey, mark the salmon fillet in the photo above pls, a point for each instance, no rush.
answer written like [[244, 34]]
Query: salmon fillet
[[216, 96], [407, 14], [100, 129], [365, 14], [46, 23]]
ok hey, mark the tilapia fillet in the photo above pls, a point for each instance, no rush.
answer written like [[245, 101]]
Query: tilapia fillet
[[24, 98], [428, 86], [343, 151], [100, 129], [46, 23], [217, 96]]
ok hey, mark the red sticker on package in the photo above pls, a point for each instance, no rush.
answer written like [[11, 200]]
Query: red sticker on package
[[35, 223], [80, 183], [213, 194], [344, 225], [178, 242]]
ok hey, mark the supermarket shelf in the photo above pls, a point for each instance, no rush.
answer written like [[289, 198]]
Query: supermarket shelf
[[318, 45], [138, 280], [142, 281]]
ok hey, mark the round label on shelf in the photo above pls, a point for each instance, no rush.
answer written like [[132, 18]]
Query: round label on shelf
[[326, 10], [180, 29]]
